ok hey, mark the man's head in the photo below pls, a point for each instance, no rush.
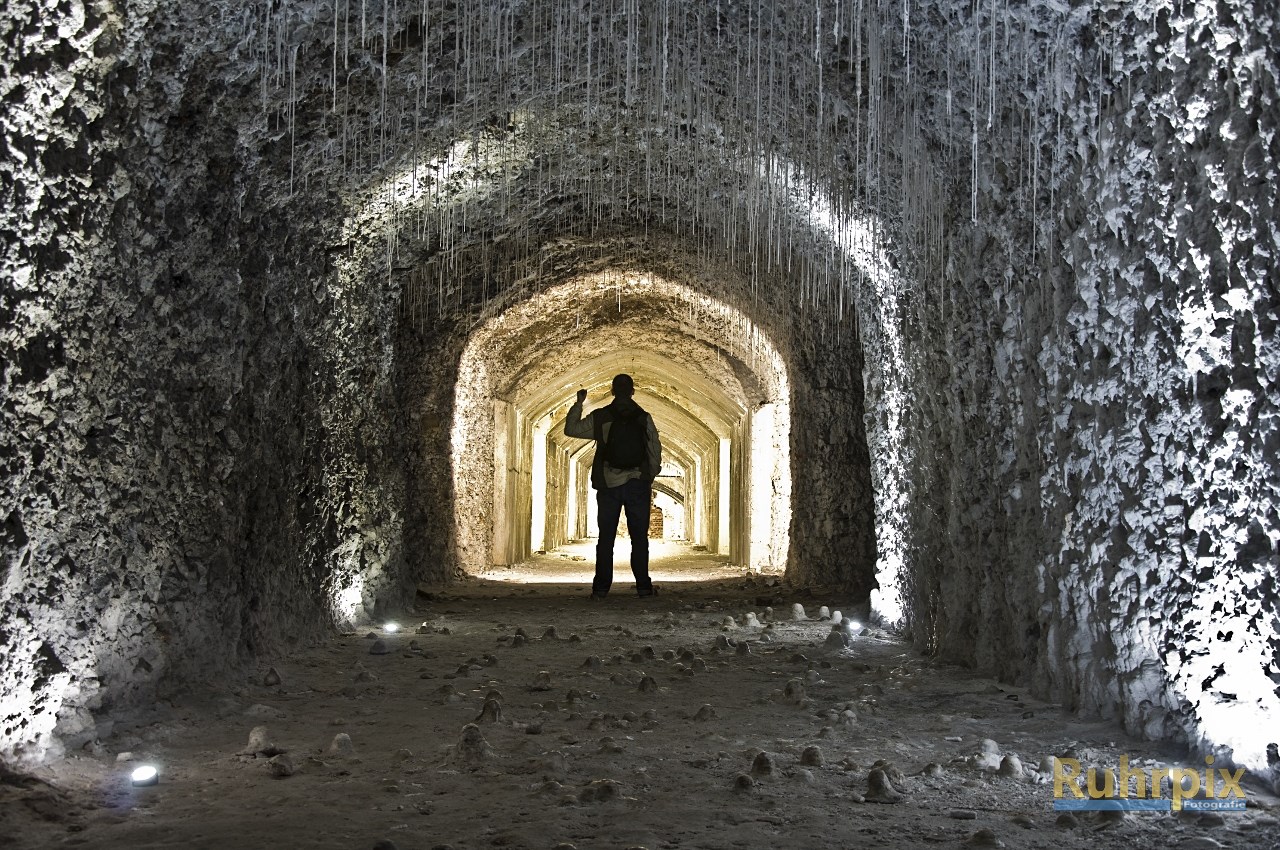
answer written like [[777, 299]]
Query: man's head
[[623, 386]]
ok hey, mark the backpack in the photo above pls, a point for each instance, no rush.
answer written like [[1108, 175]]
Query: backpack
[[626, 448]]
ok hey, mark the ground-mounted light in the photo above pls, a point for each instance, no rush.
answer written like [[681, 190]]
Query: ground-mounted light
[[391, 628], [145, 775]]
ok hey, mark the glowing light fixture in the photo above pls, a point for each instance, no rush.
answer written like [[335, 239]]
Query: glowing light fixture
[[391, 628], [145, 775]]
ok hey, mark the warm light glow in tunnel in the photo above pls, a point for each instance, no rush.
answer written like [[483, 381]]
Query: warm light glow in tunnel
[[715, 386]]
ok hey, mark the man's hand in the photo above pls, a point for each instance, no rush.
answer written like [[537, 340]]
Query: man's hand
[[582, 396]]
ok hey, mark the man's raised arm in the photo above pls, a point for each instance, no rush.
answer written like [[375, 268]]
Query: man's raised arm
[[574, 424]]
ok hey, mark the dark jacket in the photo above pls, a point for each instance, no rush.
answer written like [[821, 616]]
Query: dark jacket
[[595, 426]]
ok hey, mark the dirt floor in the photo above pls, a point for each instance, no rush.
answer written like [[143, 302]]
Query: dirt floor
[[666, 722]]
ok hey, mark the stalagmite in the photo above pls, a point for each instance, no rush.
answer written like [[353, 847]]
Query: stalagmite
[[984, 838], [282, 765], [259, 741], [472, 749], [879, 789], [490, 712], [600, 791], [341, 746], [1011, 766]]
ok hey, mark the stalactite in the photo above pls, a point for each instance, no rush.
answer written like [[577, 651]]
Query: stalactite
[[732, 162], [292, 109]]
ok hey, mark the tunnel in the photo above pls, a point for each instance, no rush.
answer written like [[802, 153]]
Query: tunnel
[[717, 389], [963, 314]]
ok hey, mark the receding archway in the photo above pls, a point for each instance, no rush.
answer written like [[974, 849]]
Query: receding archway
[[716, 386]]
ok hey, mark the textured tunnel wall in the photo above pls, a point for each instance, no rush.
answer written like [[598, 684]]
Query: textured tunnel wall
[[221, 423], [180, 445], [151, 429], [1165, 454], [1095, 493]]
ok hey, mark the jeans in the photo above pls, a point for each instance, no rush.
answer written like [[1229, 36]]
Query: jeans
[[632, 496]]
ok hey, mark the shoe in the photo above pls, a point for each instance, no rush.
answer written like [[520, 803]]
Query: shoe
[[653, 591], [595, 597]]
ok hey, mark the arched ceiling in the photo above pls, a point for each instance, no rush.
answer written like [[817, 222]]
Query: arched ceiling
[[677, 365], [539, 352], [459, 141], [713, 359]]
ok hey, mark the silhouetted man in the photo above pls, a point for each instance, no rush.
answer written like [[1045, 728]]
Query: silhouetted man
[[628, 457]]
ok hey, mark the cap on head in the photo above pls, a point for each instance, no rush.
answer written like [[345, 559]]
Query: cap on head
[[623, 386]]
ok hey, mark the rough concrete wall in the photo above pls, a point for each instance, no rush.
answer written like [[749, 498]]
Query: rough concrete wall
[[1094, 496], [164, 510], [557, 496], [120, 381], [1166, 460], [427, 365], [833, 523], [363, 436]]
